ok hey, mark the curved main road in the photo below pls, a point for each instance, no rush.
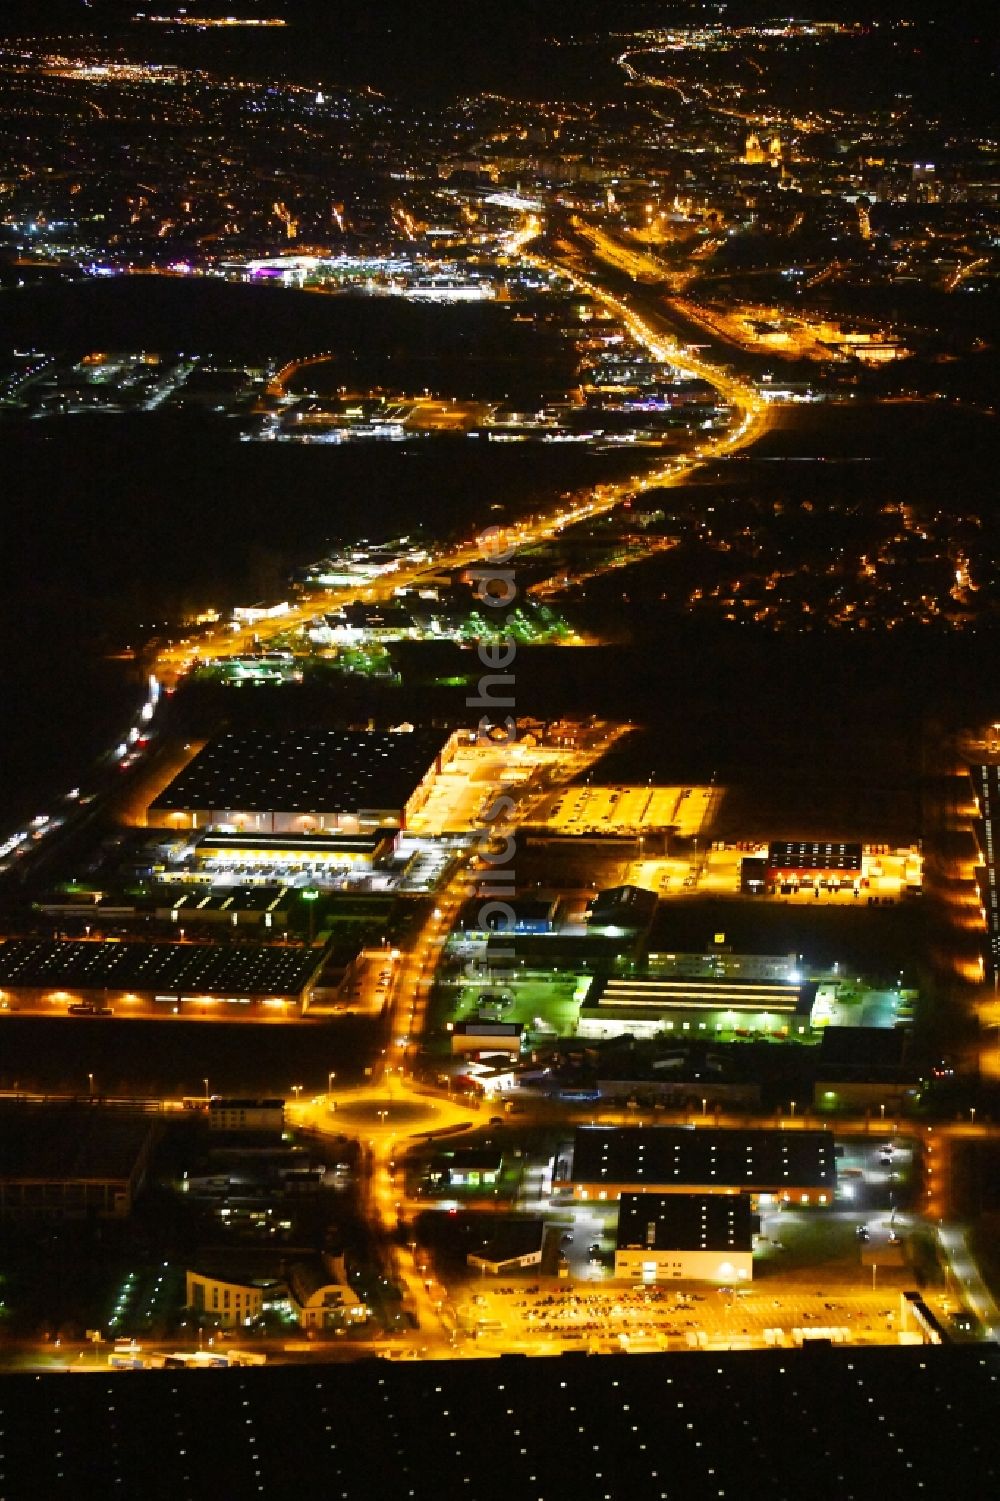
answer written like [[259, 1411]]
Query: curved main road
[[751, 416]]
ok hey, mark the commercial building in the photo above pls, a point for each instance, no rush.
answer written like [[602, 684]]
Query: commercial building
[[530, 914], [512, 1244], [486, 1037], [560, 950], [986, 783], [794, 1166], [622, 909], [698, 1237], [719, 961], [305, 781], [246, 1115], [321, 1296], [71, 1161], [488, 1075], [911, 1422], [865, 1068], [129, 979], [341, 851], [228, 1302], [687, 1078], [800, 860], [650, 1005], [465, 1167]]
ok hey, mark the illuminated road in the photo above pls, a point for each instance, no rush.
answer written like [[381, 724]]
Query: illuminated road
[[751, 417], [391, 1115]]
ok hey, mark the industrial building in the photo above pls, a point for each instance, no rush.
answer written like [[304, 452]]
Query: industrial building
[[305, 781], [214, 854], [697, 1237], [622, 909], [242, 907], [910, 1422], [560, 950], [242, 1115], [512, 1244], [70, 1161], [129, 979], [718, 960], [794, 1166], [800, 860], [615, 1005], [487, 1037]]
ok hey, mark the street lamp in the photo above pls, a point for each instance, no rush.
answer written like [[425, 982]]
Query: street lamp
[[297, 1091], [90, 1082], [329, 1081], [205, 1082]]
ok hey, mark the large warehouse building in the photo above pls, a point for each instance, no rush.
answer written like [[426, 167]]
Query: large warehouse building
[[130, 979], [695, 1004], [305, 781], [910, 1422], [794, 1166]]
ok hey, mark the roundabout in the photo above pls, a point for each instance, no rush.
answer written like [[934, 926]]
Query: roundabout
[[387, 1112]]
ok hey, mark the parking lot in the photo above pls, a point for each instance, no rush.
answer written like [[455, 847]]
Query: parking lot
[[556, 1314], [629, 810], [462, 793]]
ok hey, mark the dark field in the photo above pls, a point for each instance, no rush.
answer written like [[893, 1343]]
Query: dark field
[[173, 1058]]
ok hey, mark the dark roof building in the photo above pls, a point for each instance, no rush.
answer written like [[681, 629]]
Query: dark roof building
[[685, 1222], [630, 908], [910, 1422], [610, 1161], [126, 973], [802, 856], [68, 1160], [557, 950], [294, 780], [510, 1243], [532, 914]]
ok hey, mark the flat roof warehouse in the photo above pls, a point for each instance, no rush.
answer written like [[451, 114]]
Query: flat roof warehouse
[[666, 1159], [908, 1422], [182, 969], [311, 773]]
